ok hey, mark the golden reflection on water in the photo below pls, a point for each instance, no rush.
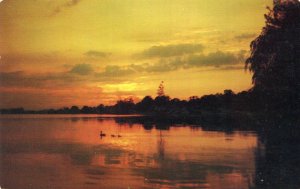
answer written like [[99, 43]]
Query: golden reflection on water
[[67, 152]]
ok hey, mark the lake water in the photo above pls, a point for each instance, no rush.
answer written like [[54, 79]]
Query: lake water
[[66, 151]]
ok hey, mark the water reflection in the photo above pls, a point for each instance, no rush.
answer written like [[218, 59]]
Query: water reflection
[[67, 152], [278, 161]]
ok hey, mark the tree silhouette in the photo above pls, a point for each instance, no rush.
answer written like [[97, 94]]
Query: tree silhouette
[[124, 106], [161, 89], [145, 104], [73, 110], [274, 58]]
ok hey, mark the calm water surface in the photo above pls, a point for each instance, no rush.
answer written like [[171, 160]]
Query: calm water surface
[[65, 151]]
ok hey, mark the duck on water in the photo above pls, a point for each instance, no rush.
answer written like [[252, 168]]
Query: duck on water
[[115, 135], [102, 134]]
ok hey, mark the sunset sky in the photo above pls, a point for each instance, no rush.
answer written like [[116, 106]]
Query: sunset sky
[[57, 53]]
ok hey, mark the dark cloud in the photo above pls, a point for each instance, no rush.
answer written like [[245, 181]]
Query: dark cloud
[[215, 59], [164, 65], [71, 3], [68, 4], [8, 78], [237, 67], [170, 50], [79, 74], [116, 71], [44, 80], [21, 79], [245, 36], [82, 69], [96, 54]]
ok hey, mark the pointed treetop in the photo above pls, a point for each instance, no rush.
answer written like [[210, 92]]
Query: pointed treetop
[[161, 89]]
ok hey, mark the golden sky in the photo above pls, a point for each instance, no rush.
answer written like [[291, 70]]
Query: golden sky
[[74, 52]]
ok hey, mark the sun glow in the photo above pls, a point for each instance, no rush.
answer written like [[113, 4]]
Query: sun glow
[[124, 87]]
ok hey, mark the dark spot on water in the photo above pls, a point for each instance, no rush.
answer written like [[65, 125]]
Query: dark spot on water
[[95, 172], [90, 183]]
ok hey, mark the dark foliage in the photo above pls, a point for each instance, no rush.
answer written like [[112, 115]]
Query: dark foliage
[[275, 57]]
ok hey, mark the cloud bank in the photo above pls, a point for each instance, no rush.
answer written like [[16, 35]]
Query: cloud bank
[[170, 50], [82, 69], [96, 54], [245, 36]]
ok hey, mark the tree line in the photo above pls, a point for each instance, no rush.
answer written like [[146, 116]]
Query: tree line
[[163, 105]]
